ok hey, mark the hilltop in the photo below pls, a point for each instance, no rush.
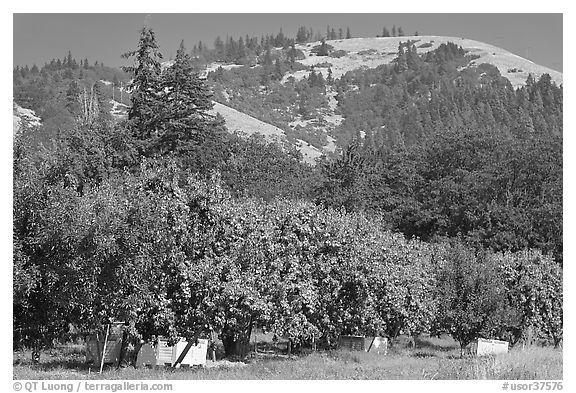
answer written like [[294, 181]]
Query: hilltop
[[375, 51]]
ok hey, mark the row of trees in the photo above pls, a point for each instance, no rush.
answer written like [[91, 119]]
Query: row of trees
[[395, 32], [178, 256], [304, 35], [55, 64], [247, 50]]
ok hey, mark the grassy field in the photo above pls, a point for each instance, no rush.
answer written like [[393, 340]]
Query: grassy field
[[432, 358]]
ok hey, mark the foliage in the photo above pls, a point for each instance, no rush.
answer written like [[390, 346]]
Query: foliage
[[495, 190], [167, 223], [469, 295], [533, 284]]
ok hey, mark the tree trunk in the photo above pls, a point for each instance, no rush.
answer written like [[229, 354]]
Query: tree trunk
[[237, 344]]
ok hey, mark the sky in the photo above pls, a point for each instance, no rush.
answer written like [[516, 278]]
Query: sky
[[37, 38]]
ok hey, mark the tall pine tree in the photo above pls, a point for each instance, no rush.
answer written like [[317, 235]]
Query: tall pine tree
[[190, 131], [145, 88]]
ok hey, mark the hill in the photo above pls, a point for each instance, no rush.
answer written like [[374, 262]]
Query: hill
[[24, 116], [321, 113], [312, 120], [375, 51], [237, 121]]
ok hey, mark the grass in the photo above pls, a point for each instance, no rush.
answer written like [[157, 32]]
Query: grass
[[432, 358]]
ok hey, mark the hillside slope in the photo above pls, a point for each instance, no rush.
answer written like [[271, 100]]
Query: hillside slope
[[22, 116], [375, 51], [237, 121], [359, 53]]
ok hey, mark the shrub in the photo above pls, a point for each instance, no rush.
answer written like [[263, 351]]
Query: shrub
[[338, 53]]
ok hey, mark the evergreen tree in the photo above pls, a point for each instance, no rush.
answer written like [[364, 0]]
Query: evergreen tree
[[401, 61], [323, 50], [267, 61], [277, 70], [312, 78], [145, 87], [190, 132], [385, 32], [292, 55], [241, 54], [348, 34], [280, 39], [332, 34], [394, 31], [329, 78], [219, 48], [72, 98], [400, 32]]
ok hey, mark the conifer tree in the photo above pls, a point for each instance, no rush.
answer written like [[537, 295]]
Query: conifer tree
[[348, 34], [145, 86], [277, 70], [329, 78], [302, 35], [72, 98], [186, 103], [292, 55]]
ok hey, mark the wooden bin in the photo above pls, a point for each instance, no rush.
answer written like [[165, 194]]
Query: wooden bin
[[484, 347], [361, 343], [95, 345], [165, 355]]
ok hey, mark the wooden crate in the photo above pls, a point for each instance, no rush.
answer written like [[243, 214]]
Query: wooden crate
[[484, 347], [378, 345], [196, 356], [94, 351], [165, 355], [361, 343], [352, 343]]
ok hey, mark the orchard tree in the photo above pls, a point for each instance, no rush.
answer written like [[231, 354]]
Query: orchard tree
[[469, 294], [534, 290]]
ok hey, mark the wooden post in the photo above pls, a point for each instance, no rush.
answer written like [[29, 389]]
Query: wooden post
[[289, 347], [255, 343], [104, 349], [313, 343], [213, 346]]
